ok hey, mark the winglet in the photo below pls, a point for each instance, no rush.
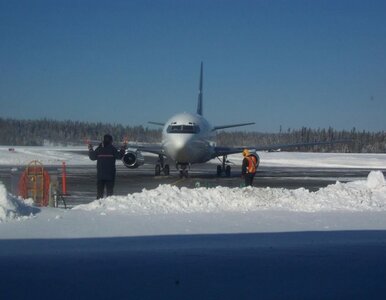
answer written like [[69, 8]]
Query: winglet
[[199, 104]]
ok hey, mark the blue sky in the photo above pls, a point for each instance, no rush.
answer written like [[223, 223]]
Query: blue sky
[[289, 63]]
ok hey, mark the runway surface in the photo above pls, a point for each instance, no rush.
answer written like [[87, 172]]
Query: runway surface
[[81, 180]]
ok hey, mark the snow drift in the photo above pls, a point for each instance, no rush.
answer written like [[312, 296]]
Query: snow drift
[[363, 195], [12, 207]]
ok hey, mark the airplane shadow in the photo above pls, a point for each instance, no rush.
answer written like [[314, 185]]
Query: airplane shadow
[[307, 265]]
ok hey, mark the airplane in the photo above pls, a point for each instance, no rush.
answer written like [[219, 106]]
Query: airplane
[[188, 138]]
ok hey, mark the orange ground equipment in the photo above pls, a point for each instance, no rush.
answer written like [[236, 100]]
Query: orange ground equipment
[[35, 183]]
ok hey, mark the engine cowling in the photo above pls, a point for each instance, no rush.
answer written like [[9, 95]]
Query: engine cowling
[[133, 159], [258, 160]]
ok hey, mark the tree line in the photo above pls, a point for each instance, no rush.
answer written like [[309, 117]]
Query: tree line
[[42, 132], [356, 141], [45, 131]]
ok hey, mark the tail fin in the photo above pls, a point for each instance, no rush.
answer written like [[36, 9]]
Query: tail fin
[[199, 104]]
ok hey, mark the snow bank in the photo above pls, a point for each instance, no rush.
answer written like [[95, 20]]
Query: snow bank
[[364, 195], [375, 180], [11, 207]]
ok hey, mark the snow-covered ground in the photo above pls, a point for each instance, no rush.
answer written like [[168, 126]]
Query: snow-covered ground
[[169, 210], [157, 211], [21, 156], [56, 155], [172, 210], [216, 243]]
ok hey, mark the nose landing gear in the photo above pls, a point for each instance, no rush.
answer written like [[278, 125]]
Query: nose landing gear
[[183, 168]]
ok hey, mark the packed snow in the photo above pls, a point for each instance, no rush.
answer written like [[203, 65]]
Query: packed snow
[[14, 208], [21, 156], [366, 195]]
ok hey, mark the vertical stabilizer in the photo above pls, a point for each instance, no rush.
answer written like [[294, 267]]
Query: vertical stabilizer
[[199, 104]]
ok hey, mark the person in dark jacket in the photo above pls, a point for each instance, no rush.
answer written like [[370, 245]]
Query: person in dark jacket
[[249, 166], [105, 155]]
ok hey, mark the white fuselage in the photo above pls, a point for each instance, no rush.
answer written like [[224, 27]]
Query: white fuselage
[[188, 138]]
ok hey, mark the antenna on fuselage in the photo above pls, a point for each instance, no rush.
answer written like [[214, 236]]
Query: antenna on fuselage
[[199, 104]]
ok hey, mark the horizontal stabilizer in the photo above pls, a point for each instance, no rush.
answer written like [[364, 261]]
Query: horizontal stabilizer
[[232, 125], [157, 123]]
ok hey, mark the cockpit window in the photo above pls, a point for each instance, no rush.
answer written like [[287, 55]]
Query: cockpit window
[[183, 129]]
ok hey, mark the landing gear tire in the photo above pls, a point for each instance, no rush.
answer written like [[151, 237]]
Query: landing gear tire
[[219, 170], [166, 170], [228, 171], [157, 170], [183, 173]]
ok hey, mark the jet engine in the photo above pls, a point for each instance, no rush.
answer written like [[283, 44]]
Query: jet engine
[[133, 159], [258, 160]]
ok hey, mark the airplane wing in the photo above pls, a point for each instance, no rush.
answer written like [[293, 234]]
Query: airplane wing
[[156, 123], [221, 151], [149, 148], [231, 126]]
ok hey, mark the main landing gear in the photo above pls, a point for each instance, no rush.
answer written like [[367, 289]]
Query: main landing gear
[[224, 167], [162, 167]]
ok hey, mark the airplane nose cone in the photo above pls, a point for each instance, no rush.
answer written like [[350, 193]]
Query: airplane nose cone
[[180, 143], [179, 148]]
